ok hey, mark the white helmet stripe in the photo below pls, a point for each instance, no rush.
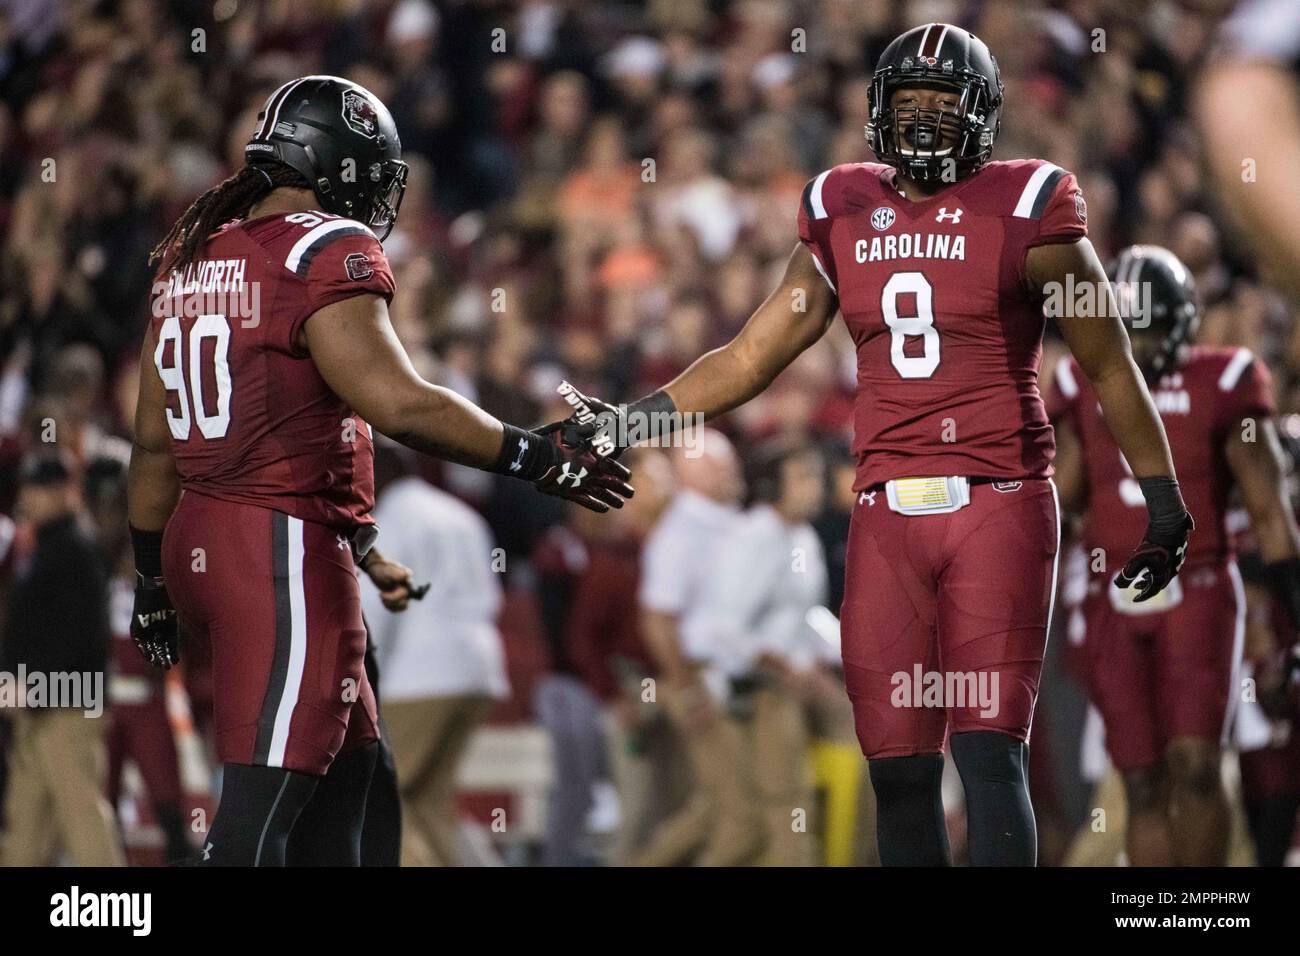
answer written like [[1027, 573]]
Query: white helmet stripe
[[920, 50], [273, 108]]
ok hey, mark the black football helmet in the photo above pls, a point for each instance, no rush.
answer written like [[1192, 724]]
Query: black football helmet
[[342, 139], [1157, 296], [936, 54]]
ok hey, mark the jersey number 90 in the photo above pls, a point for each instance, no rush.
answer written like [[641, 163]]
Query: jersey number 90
[[184, 375]]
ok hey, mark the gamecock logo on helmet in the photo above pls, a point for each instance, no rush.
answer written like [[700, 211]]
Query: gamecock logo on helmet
[[359, 113]]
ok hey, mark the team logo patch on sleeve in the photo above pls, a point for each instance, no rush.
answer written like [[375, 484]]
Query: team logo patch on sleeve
[[359, 113], [1080, 207], [358, 266]]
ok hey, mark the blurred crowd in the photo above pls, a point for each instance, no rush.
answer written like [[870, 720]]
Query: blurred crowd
[[599, 192]]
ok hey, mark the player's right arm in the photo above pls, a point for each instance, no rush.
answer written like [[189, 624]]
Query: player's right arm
[[792, 318], [153, 488], [357, 353]]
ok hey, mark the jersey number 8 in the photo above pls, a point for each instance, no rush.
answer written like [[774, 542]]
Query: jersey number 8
[[922, 324]]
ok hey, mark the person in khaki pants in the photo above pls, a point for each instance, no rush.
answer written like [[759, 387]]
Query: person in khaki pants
[[719, 824], [57, 627], [57, 767], [441, 661], [770, 572]]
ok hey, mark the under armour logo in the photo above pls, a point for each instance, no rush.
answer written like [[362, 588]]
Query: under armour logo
[[207, 851], [869, 497], [519, 459], [567, 474], [343, 542], [945, 216]]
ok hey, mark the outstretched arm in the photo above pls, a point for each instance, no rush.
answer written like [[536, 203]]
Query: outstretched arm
[[357, 353], [793, 317], [354, 347]]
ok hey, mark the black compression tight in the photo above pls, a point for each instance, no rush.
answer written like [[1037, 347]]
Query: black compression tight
[[909, 811]]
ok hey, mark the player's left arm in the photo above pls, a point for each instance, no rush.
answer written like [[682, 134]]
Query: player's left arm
[[153, 488], [1101, 347], [1257, 466]]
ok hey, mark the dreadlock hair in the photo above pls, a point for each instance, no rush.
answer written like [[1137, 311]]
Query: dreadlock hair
[[229, 199]]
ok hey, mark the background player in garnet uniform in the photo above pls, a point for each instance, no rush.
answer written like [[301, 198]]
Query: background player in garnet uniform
[[1164, 674], [269, 357], [940, 261]]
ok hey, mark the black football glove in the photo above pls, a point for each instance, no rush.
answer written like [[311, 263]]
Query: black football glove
[[580, 475], [1164, 546], [609, 430], [153, 623], [594, 425]]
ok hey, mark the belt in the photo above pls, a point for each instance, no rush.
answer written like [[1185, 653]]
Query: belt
[[880, 485]]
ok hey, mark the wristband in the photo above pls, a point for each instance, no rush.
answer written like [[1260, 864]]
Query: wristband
[[524, 454], [147, 547], [654, 416], [1164, 504]]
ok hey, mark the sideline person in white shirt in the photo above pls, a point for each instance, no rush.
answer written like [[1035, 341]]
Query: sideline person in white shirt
[[442, 662], [718, 825], [769, 574]]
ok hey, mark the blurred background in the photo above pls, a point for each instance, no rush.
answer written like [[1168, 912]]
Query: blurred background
[[599, 192]]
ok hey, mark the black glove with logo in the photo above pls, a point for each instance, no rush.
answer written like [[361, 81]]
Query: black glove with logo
[[1164, 546], [153, 623], [609, 430], [154, 627], [556, 461]]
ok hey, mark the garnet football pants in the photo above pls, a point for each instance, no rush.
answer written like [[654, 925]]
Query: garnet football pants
[[1167, 674], [945, 616], [278, 599]]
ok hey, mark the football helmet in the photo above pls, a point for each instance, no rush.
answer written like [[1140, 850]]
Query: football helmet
[[1157, 296], [936, 55], [342, 139]]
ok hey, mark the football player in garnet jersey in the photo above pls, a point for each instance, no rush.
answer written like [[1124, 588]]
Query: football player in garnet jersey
[[268, 360], [940, 262], [1164, 673]]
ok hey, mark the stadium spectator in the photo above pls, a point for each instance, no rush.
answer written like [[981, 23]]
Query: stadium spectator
[[56, 634]]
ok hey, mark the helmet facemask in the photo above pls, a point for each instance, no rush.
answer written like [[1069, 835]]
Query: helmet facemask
[[909, 138], [389, 178]]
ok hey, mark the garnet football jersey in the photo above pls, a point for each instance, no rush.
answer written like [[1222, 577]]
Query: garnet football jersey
[[948, 333], [1202, 404], [251, 419]]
